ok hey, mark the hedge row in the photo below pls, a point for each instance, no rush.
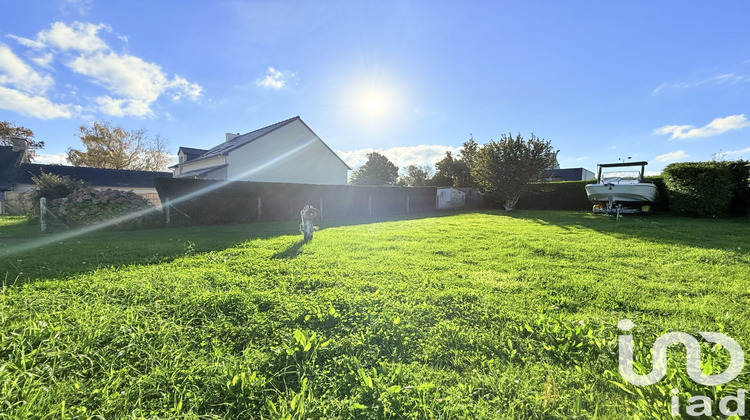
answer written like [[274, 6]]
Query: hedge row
[[195, 201], [704, 189], [708, 189]]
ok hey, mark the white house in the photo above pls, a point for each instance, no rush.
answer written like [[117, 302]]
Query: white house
[[288, 151]]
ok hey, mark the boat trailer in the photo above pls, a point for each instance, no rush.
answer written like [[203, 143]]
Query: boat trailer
[[610, 207]]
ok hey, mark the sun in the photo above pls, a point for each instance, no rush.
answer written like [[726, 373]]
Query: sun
[[373, 103]]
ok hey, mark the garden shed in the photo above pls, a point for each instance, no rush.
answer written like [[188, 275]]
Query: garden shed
[[450, 198]]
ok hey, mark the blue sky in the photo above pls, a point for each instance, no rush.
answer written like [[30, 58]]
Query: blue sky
[[659, 81]]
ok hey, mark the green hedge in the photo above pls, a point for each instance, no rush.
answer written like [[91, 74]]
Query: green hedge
[[662, 199], [571, 195], [708, 189]]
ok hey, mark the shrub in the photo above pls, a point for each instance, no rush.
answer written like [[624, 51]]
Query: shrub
[[662, 194], [707, 189], [51, 187], [88, 206]]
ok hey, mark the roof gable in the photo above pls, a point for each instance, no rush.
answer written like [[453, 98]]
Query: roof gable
[[244, 139], [228, 146]]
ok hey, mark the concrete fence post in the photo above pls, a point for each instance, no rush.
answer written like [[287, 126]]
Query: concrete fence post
[[43, 213], [259, 208], [167, 211], [369, 205]]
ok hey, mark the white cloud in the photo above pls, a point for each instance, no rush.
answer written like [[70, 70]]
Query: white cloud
[[672, 156], [124, 107], [401, 156], [133, 85], [15, 72], [79, 36], [51, 159], [715, 127], [79, 6], [725, 78], [137, 83], [274, 79], [34, 106], [738, 152]]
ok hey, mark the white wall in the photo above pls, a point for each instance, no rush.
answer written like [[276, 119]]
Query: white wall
[[201, 164], [291, 154]]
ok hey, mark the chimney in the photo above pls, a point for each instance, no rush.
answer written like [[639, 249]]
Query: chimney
[[19, 144], [230, 136]]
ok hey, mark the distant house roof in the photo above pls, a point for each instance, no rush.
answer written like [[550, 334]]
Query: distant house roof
[[224, 148], [191, 153], [9, 158], [202, 172], [112, 178], [571, 174]]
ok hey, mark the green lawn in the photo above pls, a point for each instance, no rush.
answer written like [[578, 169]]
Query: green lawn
[[475, 315]]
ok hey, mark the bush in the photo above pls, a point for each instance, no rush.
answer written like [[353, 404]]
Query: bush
[[88, 206], [707, 189], [662, 194], [51, 187]]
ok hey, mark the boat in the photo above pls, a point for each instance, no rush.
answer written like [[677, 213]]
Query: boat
[[620, 190]]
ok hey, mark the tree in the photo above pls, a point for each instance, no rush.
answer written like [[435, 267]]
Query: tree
[[468, 154], [456, 172], [117, 148], [9, 131], [415, 176], [378, 170], [445, 171], [504, 169]]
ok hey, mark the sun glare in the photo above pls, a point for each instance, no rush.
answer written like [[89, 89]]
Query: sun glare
[[373, 103]]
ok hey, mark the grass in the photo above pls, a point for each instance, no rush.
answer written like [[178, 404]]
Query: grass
[[476, 315]]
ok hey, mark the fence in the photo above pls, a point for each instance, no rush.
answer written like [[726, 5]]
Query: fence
[[195, 201], [15, 203]]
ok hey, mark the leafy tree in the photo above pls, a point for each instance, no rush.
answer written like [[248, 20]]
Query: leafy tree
[[415, 176], [504, 169], [117, 148], [469, 151], [444, 173], [456, 172], [9, 131], [378, 170]]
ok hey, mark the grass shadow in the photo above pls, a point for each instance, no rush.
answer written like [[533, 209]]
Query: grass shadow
[[27, 255], [732, 234], [290, 252]]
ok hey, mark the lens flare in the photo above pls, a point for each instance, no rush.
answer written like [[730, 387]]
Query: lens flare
[[58, 237]]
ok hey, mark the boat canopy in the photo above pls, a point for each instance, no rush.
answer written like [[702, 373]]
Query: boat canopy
[[601, 166]]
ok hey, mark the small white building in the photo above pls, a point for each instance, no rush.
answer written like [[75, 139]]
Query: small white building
[[450, 198], [288, 151]]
